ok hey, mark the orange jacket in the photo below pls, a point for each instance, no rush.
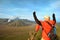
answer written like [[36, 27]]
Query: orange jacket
[[46, 28]]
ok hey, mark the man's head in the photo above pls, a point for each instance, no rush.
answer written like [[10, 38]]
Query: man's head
[[46, 18]]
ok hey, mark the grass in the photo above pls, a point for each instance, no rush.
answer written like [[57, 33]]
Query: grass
[[19, 33], [15, 33]]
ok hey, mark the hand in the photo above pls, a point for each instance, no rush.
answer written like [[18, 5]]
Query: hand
[[34, 13], [53, 15]]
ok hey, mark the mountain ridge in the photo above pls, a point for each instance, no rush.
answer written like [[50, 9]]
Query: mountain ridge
[[16, 22]]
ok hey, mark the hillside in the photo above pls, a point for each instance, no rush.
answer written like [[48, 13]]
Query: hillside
[[21, 22], [16, 22], [20, 33], [20, 29], [3, 21]]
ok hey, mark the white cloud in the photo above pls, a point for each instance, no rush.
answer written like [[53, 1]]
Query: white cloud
[[53, 6], [58, 17], [18, 9], [1, 14]]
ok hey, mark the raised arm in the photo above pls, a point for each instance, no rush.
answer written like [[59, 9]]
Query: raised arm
[[54, 17], [37, 21]]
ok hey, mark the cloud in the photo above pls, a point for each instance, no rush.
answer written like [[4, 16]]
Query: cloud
[[18, 10], [53, 6], [2, 15], [58, 17], [26, 8], [11, 13], [56, 4]]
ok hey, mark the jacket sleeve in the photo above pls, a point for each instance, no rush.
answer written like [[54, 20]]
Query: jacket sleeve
[[37, 21], [54, 18]]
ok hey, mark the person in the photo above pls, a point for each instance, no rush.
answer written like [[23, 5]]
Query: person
[[47, 26]]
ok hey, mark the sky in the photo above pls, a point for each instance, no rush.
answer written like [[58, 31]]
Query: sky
[[24, 9]]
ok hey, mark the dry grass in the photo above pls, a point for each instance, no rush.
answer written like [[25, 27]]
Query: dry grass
[[15, 33], [19, 33]]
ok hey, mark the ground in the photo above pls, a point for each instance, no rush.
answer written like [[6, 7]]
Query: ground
[[19, 33]]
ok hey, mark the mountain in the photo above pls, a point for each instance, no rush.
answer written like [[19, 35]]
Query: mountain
[[16, 22], [3, 21]]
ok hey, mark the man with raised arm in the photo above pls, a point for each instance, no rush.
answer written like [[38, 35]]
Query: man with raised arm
[[47, 26]]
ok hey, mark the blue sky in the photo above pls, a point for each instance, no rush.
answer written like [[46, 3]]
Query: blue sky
[[24, 8]]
